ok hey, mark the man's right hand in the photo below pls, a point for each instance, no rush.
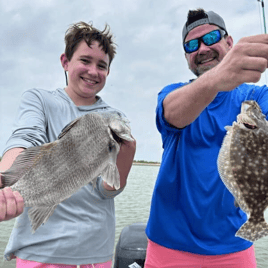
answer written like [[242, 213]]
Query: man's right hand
[[244, 63], [11, 203]]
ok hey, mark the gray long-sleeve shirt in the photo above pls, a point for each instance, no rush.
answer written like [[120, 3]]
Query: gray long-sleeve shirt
[[82, 228]]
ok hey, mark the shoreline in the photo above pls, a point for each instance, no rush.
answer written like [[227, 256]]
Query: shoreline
[[145, 164]]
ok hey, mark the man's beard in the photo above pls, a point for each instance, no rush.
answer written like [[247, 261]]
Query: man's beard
[[202, 69]]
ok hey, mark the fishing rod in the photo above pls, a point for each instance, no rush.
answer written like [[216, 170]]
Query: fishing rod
[[263, 14], [264, 24]]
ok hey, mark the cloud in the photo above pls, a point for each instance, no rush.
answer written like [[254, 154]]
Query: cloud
[[149, 52]]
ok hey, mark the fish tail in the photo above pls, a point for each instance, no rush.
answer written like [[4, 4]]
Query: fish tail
[[39, 215], [253, 231]]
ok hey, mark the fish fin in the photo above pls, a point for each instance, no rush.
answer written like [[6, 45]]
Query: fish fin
[[253, 232], [94, 183], [68, 127], [236, 204], [39, 215], [126, 137], [111, 176], [24, 161], [121, 130]]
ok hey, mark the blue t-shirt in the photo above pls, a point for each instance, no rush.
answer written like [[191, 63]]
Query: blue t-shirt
[[191, 208]]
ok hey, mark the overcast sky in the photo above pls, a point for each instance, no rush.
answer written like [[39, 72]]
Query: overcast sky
[[149, 52]]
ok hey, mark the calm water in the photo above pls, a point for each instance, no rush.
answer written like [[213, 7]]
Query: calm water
[[133, 205]]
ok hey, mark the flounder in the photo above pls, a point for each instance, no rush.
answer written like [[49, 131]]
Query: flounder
[[243, 167], [86, 148]]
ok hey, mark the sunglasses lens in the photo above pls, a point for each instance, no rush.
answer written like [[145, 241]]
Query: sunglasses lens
[[191, 46], [208, 39], [212, 38]]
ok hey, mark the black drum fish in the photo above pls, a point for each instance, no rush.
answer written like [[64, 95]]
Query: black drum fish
[[86, 148]]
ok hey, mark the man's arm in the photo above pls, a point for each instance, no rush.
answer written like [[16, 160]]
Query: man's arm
[[124, 162], [11, 203], [183, 105], [245, 62]]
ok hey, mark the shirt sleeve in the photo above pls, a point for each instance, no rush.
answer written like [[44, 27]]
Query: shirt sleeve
[[161, 122], [105, 193], [30, 124], [262, 99]]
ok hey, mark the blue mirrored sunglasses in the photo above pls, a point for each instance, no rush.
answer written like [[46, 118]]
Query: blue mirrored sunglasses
[[208, 39]]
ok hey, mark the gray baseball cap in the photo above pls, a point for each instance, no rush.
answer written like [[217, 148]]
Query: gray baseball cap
[[212, 18]]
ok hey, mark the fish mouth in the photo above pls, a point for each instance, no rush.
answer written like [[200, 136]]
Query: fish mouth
[[246, 121], [249, 126]]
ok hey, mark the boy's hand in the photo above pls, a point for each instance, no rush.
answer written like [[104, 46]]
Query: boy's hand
[[125, 159], [11, 204]]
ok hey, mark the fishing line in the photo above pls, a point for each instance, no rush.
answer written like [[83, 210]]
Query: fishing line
[[264, 27], [263, 13], [259, 7]]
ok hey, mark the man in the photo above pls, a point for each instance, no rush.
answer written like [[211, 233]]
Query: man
[[193, 219], [81, 230]]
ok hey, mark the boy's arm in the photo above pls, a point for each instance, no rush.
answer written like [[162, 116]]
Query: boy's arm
[[11, 203], [124, 163]]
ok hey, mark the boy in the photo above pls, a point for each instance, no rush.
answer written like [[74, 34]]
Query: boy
[[82, 228]]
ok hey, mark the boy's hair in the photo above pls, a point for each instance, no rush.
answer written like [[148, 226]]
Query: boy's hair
[[83, 31]]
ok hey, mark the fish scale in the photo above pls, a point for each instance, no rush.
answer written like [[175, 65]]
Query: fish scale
[[49, 174], [242, 165]]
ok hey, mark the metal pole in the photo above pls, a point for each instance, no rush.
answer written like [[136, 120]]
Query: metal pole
[[263, 13], [264, 23], [66, 78]]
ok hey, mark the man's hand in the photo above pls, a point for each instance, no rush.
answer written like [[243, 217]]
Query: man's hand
[[244, 63], [11, 204]]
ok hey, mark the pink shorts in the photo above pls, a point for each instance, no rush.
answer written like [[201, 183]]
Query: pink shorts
[[161, 257], [32, 264]]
